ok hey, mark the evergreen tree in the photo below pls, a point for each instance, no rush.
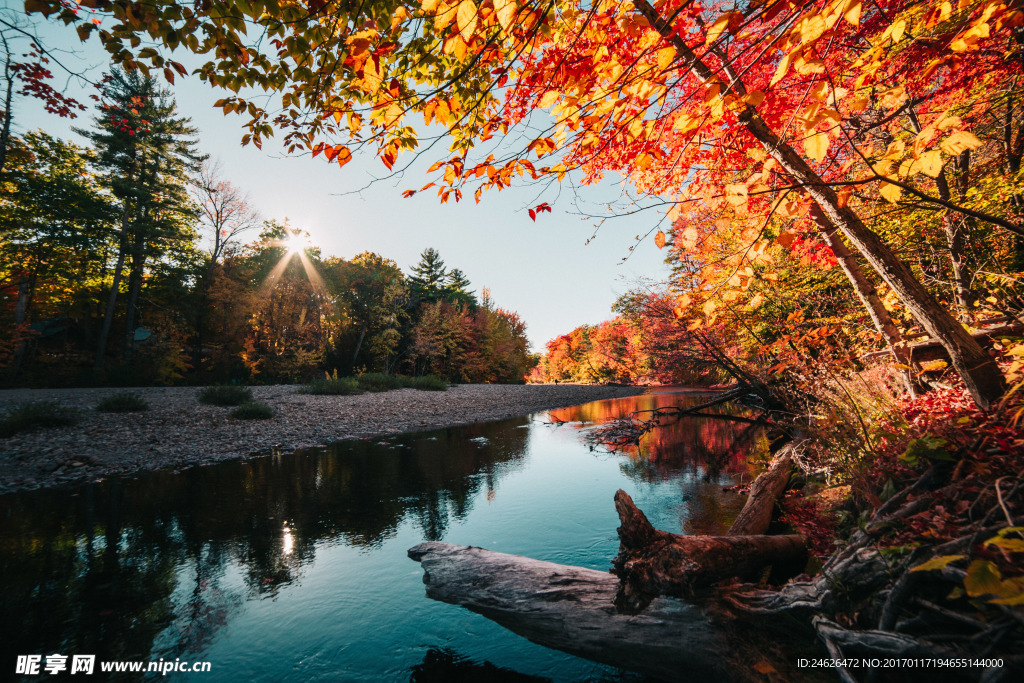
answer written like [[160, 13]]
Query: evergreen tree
[[147, 153], [430, 278], [457, 289]]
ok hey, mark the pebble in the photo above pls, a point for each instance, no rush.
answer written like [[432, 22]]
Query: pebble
[[178, 429]]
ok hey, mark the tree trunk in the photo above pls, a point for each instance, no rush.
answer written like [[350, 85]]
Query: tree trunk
[[652, 562], [21, 316], [979, 372], [572, 609], [765, 492], [108, 316], [359, 344], [134, 288], [868, 297]]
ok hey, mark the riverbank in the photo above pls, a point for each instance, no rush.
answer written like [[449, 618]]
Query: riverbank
[[177, 431]]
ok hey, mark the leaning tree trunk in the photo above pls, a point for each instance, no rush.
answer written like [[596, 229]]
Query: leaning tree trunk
[[868, 297], [979, 372]]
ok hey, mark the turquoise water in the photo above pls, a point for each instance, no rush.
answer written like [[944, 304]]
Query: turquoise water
[[293, 567]]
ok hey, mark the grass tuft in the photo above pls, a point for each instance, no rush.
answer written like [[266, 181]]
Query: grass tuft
[[32, 417], [378, 381], [124, 402], [252, 411], [426, 383], [225, 395], [331, 386]]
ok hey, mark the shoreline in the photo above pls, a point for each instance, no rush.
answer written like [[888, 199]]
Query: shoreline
[[177, 431]]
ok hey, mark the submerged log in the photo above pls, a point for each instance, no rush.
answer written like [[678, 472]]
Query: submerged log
[[652, 562], [573, 609], [767, 489]]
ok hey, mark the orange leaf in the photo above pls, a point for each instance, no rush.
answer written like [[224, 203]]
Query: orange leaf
[[659, 239]]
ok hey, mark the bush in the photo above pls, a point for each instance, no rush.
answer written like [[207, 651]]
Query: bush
[[252, 411], [31, 417], [331, 386], [426, 383], [124, 402], [225, 395], [378, 381]]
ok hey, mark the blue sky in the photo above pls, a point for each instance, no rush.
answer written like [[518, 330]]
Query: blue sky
[[545, 271]]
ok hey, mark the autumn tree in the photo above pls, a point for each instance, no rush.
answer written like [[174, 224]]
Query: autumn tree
[[55, 223]]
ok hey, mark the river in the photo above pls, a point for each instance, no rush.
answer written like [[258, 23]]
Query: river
[[293, 567]]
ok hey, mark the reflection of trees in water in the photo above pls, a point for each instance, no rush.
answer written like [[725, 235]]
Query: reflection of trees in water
[[106, 569], [694, 451], [701, 445]]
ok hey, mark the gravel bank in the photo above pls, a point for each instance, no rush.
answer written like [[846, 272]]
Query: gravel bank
[[178, 431]]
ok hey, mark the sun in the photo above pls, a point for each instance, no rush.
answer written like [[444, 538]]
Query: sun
[[294, 244]]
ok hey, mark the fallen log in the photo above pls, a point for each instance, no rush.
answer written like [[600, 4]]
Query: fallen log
[[767, 489], [653, 562], [572, 609]]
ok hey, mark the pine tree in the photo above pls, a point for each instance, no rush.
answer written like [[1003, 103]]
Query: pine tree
[[147, 153], [430, 278], [456, 289]]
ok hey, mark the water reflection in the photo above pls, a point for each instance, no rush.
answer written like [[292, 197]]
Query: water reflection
[[105, 569], [293, 567]]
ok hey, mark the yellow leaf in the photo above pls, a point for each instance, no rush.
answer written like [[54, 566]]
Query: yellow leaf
[[852, 12], [754, 98], [891, 193], [444, 15], [690, 237], [718, 28], [665, 57], [694, 325], [780, 71], [893, 97], [817, 146], [930, 163], [709, 307], [506, 11], [429, 6], [756, 301], [400, 15], [736, 194], [937, 562], [466, 19], [958, 142], [549, 98]]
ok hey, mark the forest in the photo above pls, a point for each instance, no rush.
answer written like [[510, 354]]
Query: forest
[[132, 261], [836, 186]]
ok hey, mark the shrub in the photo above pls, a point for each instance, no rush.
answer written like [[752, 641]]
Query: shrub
[[331, 386], [31, 417], [378, 381], [252, 411], [426, 383], [123, 402], [225, 395]]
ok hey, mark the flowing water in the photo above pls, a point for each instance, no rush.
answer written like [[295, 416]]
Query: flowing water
[[293, 567]]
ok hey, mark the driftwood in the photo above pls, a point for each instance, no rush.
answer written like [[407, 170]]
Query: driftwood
[[652, 562], [573, 609], [767, 489]]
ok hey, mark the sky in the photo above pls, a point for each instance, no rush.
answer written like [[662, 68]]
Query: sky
[[544, 270]]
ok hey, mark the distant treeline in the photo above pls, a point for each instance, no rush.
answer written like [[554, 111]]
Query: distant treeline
[[123, 263]]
